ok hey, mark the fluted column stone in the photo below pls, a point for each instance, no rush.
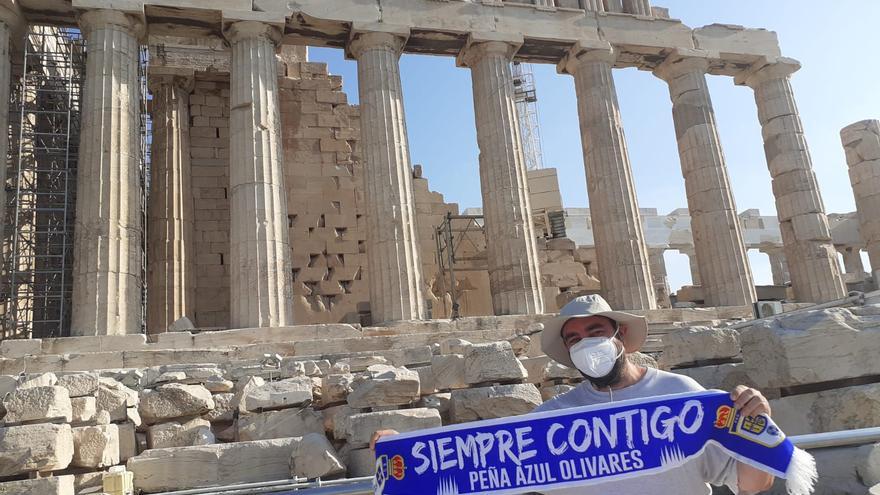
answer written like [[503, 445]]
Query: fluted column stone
[[107, 241], [260, 265], [514, 272], [722, 258], [170, 252], [659, 276], [812, 260], [624, 266], [778, 265], [862, 144], [637, 7], [392, 244]]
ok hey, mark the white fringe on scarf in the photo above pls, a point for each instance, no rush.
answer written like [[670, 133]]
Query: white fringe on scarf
[[801, 476]]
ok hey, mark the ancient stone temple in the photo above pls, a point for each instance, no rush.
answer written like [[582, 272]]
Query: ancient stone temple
[[218, 271]]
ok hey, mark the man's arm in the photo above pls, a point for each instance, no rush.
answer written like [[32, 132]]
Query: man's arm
[[751, 402]]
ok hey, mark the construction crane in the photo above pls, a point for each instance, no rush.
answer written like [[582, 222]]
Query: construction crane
[[526, 99]]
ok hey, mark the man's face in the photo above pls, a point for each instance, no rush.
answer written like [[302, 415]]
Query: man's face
[[576, 329]]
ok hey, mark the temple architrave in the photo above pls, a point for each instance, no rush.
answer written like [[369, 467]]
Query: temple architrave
[[272, 202]]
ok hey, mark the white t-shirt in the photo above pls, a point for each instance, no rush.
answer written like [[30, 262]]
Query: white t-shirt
[[713, 466]]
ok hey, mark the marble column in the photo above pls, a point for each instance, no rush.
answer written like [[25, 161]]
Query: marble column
[[260, 265], [659, 276], [624, 267], [812, 260], [722, 258], [696, 281], [107, 241], [392, 242], [514, 272], [170, 253], [615, 6], [637, 7], [778, 265], [852, 262], [862, 144]]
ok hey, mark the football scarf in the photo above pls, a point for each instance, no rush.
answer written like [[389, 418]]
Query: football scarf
[[584, 446]]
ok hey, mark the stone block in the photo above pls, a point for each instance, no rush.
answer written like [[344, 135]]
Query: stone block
[[695, 344], [38, 404], [40, 447], [359, 428], [94, 344], [83, 409], [811, 347], [335, 388], [15, 348], [315, 457], [722, 376], [184, 468], [173, 401], [830, 410], [79, 384], [361, 462], [492, 362], [448, 371], [291, 392], [552, 391], [280, 424], [115, 398], [33, 380], [361, 363], [841, 471], [95, 446], [543, 369], [53, 485], [383, 385], [196, 431], [127, 441], [223, 408], [494, 402]]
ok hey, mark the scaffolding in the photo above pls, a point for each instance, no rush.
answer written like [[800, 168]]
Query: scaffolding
[[526, 99], [451, 235], [44, 140]]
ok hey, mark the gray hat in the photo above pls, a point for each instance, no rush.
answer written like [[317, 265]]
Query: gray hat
[[583, 307]]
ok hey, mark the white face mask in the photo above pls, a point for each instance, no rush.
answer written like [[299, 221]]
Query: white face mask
[[595, 356]]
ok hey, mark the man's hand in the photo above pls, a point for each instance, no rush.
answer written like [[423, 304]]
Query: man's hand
[[379, 434], [749, 402]]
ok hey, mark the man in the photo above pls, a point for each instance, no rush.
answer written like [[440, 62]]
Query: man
[[589, 336]]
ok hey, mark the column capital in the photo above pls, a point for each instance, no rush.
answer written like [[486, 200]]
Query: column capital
[[102, 18], [586, 51], [766, 70], [185, 82], [365, 38], [855, 133], [479, 45], [243, 30], [682, 62]]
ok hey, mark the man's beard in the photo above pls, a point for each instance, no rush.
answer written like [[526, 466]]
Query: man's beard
[[613, 376]]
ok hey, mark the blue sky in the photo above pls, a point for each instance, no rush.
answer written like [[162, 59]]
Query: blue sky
[[836, 87]]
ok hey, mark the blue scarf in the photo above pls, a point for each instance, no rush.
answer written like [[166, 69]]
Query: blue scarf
[[584, 446]]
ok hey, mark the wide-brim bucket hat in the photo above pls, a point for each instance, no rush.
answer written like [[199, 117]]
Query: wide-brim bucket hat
[[585, 306]]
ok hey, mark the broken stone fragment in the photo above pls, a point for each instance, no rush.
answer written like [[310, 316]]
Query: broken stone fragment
[[115, 398], [383, 385], [448, 370], [359, 428], [314, 457], [335, 388], [38, 404], [82, 409], [494, 402], [291, 392], [32, 380], [695, 344], [454, 346], [361, 363], [223, 410], [493, 362], [196, 431], [174, 400], [79, 384], [40, 447], [95, 446], [280, 424]]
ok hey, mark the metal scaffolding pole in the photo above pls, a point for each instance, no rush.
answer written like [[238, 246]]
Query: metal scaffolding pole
[[44, 121]]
